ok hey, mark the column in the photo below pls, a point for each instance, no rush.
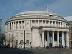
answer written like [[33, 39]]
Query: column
[[48, 38], [8, 26], [18, 25], [53, 37], [67, 39], [63, 42], [43, 39], [58, 38]]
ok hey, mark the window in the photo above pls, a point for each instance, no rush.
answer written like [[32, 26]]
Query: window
[[33, 21], [22, 21], [16, 42], [16, 22], [50, 22], [36, 20], [47, 21], [43, 21], [59, 22], [27, 42], [40, 21], [21, 42]]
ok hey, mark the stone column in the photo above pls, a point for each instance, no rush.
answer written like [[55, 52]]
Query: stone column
[[48, 38], [15, 26], [53, 37], [58, 38], [8, 27], [43, 39], [63, 42], [67, 39]]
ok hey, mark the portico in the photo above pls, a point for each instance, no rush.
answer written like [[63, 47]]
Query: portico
[[55, 38]]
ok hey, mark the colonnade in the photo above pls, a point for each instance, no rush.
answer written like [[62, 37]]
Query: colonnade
[[62, 38]]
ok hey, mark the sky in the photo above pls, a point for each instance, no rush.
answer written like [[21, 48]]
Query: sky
[[10, 8]]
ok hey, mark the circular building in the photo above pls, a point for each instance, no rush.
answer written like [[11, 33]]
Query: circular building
[[37, 29]]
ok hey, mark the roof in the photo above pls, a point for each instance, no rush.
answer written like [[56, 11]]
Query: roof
[[37, 14]]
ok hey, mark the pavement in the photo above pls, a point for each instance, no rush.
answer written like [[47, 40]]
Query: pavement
[[35, 51]]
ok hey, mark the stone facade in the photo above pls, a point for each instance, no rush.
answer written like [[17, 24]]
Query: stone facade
[[70, 32], [37, 29]]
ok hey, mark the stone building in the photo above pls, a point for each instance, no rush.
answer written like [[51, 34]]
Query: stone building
[[70, 32], [37, 29]]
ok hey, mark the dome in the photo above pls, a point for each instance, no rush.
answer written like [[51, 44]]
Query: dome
[[38, 14], [35, 13]]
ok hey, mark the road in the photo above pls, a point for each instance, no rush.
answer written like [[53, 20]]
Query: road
[[35, 51]]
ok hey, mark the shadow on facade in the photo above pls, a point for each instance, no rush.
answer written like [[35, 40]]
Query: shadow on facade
[[14, 51]]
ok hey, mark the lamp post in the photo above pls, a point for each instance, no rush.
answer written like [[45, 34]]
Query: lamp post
[[24, 39]]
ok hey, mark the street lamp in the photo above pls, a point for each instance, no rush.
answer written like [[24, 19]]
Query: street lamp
[[24, 39]]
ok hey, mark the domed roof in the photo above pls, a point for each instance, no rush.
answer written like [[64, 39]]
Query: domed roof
[[35, 13], [38, 14]]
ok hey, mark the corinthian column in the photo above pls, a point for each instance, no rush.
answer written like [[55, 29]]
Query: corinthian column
[[58, 38], [43, 39], [67, 39], [63, 42], [53, 37], [48, 38]]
